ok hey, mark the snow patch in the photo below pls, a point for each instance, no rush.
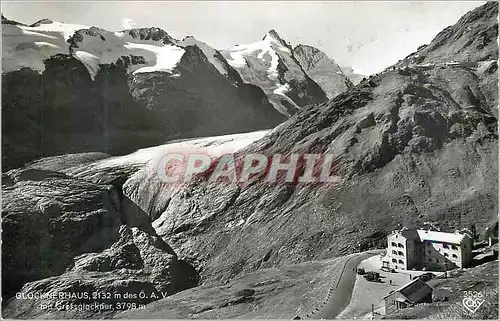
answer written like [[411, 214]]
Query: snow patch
[[282, 89], [43, 43], [167, 56], [89, 60], [37, 34]]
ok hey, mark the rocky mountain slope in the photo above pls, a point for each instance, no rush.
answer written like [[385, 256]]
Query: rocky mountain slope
[[472, 39], [69, 228], [323, 70], [414, 144], [73, 236], [272, 65], [70, 88]]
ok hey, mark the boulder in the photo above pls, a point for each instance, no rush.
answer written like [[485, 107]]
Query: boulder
[[137, 269]]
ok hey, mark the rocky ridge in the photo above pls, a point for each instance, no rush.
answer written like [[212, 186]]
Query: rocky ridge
[[323, 70], [67, 235], [271, 64]]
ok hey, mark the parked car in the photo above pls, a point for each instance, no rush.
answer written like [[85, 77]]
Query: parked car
[[426, 277], [360, 271], [372, 276]]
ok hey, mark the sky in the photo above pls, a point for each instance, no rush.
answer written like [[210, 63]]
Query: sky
[[366, 35]]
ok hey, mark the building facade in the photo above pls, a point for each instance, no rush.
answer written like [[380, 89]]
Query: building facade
[[431, 250], [410, 294]]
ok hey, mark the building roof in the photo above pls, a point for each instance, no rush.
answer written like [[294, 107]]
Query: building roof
[[414, 291], [410, 234], [434, 236], [453, 238]]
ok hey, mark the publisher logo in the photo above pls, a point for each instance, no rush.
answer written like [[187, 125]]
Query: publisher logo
[[472, 301]]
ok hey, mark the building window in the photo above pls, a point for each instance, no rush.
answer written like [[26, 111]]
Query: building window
[[401, 262], [445, 246], [454, 256], [429, 252], [400, 245], [454, 247], [394, 261], [394, 252], [446, 254], [394, 244], [400, 253]]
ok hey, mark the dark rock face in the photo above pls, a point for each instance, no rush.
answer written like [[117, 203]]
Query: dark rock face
[[194, 103], [41, 22], [413, 145], [155, 34], [137, 262], [41, 239], [65, 234], [215, 58], [323, 70], [62, 112]]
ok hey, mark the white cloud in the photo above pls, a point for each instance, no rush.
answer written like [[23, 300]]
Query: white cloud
[[128, 23]]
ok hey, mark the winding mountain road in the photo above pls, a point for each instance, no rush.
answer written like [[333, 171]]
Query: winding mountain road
[[341, 292]]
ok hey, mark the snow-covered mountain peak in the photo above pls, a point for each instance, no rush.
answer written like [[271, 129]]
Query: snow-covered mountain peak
[[270, 43], [30, 46], [273, 37], [270, 64], [273, 34]]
